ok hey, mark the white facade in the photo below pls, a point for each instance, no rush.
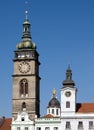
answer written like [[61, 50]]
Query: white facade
[[22, 122], [68, 100], [47, 123], [77, 122]]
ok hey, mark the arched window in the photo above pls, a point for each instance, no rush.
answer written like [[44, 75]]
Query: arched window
[[23, 87]]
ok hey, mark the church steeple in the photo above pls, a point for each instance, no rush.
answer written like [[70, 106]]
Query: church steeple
[[26, 79], [68, 81], [26, 28], [26, 41]]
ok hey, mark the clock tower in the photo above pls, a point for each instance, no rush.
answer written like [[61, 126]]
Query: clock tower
[[26, 80], [68, 94]]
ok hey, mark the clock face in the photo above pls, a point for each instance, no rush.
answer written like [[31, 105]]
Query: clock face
[[68, 94], [24, 67]]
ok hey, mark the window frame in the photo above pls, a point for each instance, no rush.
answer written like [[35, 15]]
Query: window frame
[[91, 124], [68, 126], [67, 104], [80, 124]]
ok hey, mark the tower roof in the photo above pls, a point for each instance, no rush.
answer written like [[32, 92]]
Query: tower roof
[[54, 101], [26, 42], [68, 82]]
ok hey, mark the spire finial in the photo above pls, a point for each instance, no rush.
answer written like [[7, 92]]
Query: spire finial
[[26, 11], [54, 93], [69, 66]]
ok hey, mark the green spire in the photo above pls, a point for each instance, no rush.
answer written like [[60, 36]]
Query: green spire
[[26, 28], [26, 42]]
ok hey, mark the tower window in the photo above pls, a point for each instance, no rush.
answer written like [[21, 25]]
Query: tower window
[[52, 111], [23, 87], [56, 111], [23, 105], [49, 110], [67, 104]]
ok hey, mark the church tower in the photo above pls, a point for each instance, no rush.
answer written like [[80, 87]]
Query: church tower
[[26, 80], [68, 94]]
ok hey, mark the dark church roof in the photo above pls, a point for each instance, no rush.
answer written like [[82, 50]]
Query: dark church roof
[[68, 82], [54, 101]]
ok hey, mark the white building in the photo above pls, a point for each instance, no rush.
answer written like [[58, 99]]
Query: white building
[[73, 115], [22, 122]]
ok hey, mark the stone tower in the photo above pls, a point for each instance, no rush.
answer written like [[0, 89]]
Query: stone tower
[[26, 80]]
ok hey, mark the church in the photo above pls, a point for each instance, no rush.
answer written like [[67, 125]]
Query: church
[[65, 114]]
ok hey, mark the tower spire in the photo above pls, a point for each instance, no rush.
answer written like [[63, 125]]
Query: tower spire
[[68, 82], [26, 42], [26, 26], [26, 11]]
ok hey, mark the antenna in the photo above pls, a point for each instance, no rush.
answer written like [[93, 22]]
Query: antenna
[[26, 11]]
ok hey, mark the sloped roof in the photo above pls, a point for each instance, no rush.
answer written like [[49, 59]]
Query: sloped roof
[[54, 103], [48, 116], [85, 108], [6, 125]]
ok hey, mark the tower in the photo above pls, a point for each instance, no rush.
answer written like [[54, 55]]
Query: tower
[[26, 80], [68, 94]]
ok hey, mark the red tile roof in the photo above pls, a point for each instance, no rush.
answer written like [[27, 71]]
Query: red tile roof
[[6, 125], [85, 107], [48, 116]]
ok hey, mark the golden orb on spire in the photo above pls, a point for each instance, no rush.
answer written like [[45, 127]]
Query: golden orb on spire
[[54, 92]]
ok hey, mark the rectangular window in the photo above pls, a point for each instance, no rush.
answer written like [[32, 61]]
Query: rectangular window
[[90, 124], [49, 110], [56, 111], [67, 125], [67, 104], [80, 124], [18, 128], [52, 111], [26, 128], [38, 128], [55, 128], [47, 128]]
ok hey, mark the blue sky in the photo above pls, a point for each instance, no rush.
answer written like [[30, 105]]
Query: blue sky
[[63, 31]]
